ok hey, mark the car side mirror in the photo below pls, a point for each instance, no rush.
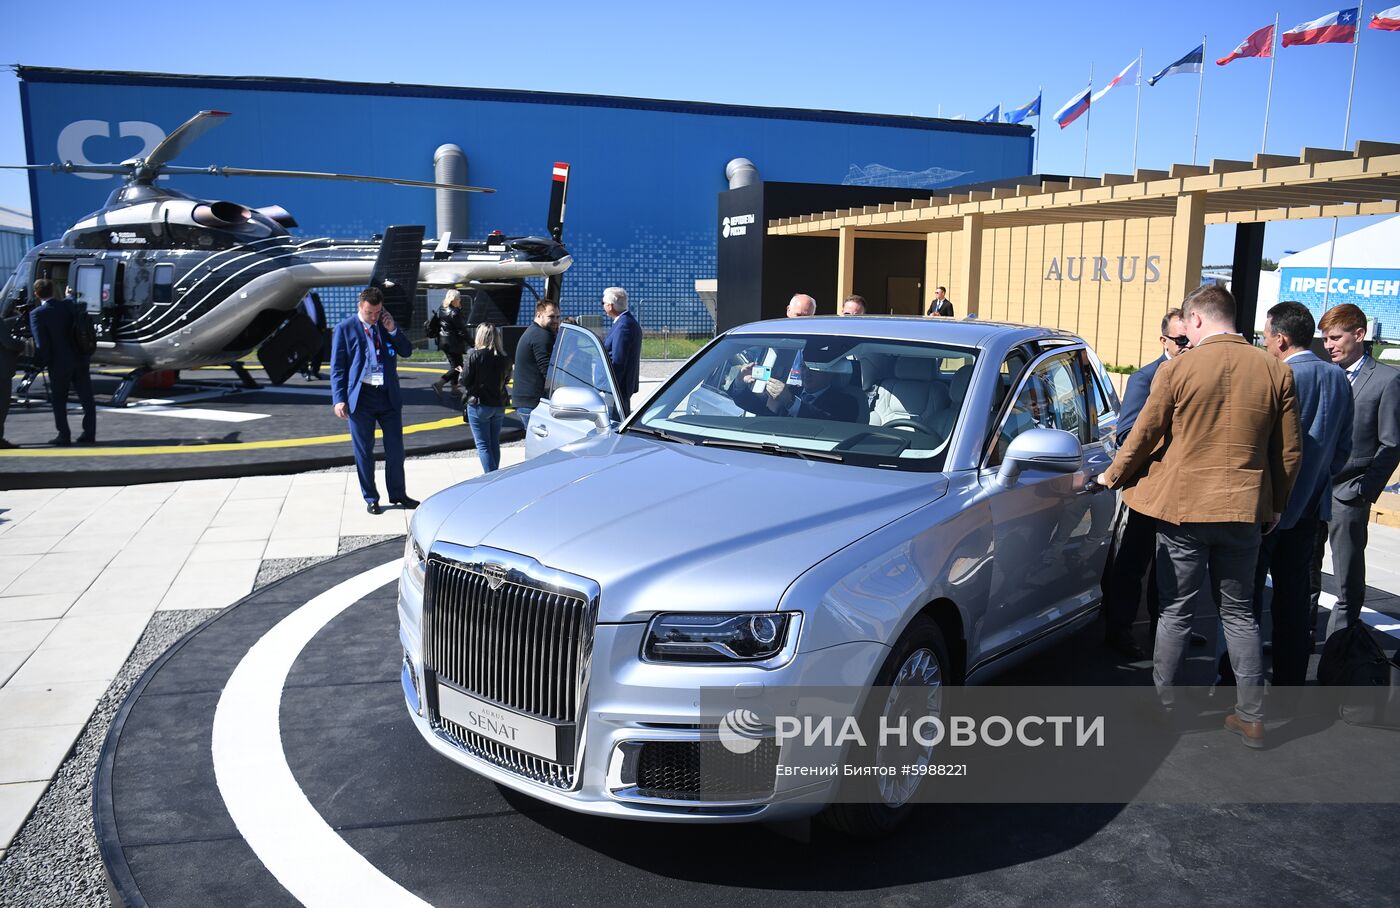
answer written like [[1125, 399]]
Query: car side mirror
[[580, 403], [1054, 450]]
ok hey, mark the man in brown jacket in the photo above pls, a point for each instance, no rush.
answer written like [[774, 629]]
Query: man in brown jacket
[[1228, 415]]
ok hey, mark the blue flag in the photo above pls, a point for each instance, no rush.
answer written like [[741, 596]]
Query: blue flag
[[1191, 63], [1020, 113], [991, 116]]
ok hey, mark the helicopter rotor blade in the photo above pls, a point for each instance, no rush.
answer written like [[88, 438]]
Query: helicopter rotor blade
[[183, 137], [218, 171], [70, 167]]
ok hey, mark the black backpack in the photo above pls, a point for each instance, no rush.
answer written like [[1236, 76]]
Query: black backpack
[[84, 332], [1352, 658]]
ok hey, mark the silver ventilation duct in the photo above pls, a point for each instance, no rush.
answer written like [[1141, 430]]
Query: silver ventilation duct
[[450, 166], [740, 172]]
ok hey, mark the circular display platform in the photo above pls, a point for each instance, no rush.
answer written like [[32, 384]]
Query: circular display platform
[[210, 426], [268, 759]]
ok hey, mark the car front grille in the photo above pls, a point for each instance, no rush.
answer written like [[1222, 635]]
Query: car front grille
[[705, 771], [520, 645]]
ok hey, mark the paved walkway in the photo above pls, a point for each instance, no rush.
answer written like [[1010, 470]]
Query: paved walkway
[[83, 570]]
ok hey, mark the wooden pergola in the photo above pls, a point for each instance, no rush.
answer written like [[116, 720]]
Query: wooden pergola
[[1318, 183]]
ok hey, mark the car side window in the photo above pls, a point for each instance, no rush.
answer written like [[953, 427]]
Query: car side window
[[1052, 398], [579, 363], [1105, 414]]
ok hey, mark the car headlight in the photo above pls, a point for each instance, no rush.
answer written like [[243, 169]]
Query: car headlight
[[768, 639], [414, 561]]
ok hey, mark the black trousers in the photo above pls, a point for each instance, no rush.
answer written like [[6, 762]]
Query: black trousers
[[9, 365], [1287, 555], [454, 370], [77, 378], [1135, 559]]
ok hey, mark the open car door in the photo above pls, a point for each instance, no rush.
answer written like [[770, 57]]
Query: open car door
[[578, 361]]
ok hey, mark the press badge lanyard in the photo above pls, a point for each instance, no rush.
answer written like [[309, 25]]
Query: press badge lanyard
[[376, 366]]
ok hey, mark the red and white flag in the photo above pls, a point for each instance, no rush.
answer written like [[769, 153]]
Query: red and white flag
[[1334, 28], [1387, 20], [1116, 79], [1259, 44]]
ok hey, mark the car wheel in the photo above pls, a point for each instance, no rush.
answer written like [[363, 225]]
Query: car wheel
[[915, 672]]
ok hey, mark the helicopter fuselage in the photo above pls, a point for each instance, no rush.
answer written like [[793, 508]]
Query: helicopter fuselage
[[174, 282]]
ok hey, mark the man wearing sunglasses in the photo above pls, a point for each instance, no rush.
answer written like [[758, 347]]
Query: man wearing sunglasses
[[1136, 555]]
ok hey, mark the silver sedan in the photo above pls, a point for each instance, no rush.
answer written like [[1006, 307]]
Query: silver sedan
[[848, 503]]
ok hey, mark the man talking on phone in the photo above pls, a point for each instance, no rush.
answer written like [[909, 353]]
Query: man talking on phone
[[365, 390]]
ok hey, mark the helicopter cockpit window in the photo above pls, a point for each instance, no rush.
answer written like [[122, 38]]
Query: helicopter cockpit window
[[163, 285]]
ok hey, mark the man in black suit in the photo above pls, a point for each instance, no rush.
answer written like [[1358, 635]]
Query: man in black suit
[[1375, 452], [823, 393], [51, 323], [940, 306], [11, 346], [1135, 556]]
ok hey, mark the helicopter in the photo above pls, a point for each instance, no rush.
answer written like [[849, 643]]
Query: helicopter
[[176, 282]]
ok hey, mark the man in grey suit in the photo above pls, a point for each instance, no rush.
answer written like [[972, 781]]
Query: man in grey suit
[[1375, 451], [1325, 417]]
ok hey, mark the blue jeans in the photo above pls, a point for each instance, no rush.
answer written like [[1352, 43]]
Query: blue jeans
[[486, 430]]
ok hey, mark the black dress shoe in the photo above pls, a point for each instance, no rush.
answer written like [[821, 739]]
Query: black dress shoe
[[408, 503], [7, 445], [87, 440], [372, 507], [61, 442], [1122, 643]]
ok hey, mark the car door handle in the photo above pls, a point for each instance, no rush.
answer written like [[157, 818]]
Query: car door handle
[[540, 430]]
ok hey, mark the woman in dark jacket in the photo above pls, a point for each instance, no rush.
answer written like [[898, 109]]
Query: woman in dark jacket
[[484, 379], [452, 340]]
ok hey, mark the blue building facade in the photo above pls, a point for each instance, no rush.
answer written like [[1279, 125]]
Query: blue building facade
[[645, 174]]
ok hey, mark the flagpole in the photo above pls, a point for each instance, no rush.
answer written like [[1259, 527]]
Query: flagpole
[[1040, 102], [1137, 115], [1346, 136], [1088, 118], [1200, 87], [1269, 98]]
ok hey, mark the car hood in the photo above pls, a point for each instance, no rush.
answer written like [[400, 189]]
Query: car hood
[[672, 527]]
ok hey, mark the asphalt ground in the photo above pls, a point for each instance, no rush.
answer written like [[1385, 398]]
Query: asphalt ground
[[212, 427], [452, 838]]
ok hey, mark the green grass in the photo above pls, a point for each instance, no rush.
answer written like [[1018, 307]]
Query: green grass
[[657, 346]]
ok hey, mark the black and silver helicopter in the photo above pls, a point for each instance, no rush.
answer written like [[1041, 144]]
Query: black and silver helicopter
[[175, 282]]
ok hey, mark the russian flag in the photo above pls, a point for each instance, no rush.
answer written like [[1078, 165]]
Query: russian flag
[[1387, 20], [1074, 108], [1258, 44], [1333, 28]]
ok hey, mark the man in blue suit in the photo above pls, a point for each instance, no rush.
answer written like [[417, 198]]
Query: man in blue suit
[[365, 390], [1325, 415], [51, 324], [623, 345], [1135, 557]]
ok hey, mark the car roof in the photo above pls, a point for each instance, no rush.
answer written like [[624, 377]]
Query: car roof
[[993, 336]]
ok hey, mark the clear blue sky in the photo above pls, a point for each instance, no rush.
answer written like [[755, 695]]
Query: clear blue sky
[[895, 57]]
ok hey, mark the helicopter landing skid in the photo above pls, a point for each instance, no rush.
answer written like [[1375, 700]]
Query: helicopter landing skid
[[127, 384], [244, 376]]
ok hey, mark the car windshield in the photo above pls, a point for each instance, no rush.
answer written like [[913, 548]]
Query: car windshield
[[868, 402]]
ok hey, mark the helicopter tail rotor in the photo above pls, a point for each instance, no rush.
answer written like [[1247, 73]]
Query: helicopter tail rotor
[[558, 198]]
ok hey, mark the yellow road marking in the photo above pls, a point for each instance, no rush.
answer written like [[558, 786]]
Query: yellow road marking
[[220, 447]]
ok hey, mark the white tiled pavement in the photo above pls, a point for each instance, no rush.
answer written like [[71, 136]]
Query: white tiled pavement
[[83, 570]]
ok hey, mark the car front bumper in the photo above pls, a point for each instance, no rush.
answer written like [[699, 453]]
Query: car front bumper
[[631, 704]]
